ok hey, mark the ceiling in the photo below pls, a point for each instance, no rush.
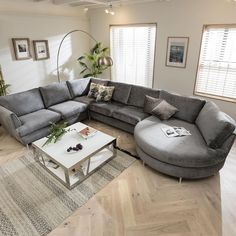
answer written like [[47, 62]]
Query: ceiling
[[95, 3]]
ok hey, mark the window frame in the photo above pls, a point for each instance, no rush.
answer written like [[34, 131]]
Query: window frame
[[155, 43], [207, 95]]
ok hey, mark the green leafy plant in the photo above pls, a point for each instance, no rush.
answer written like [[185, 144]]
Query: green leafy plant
[[56, 132], [3, 88], [89, 61]]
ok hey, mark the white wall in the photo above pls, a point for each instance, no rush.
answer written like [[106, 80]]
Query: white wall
[[37, 22], [174, 18]]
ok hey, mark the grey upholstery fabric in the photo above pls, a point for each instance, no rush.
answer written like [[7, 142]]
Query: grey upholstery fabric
[[55, 93], [99, 81], [78, 87], [178, 171], [37, 120], [29, 138], [190, 172], [130, 114], [35, 135], [121, 92], [186, 151], [8, 122], [17, 122], [69, 108], [138, 93], [24, 102], [188, 107], [164, 110], [84, 99], [113, 122], [150, 103], [214, 125], [77, 118], [106, 109]]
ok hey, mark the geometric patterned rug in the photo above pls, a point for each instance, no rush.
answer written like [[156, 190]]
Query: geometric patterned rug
[[32, 202]]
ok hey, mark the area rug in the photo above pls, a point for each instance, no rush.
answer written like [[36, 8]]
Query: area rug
[[32, 202], [125, 141]]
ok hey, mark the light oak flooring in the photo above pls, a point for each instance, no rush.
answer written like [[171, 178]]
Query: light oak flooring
[[143, 202]]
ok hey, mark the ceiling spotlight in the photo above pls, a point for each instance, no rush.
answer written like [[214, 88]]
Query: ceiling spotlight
[[85, 9], [110, 10]]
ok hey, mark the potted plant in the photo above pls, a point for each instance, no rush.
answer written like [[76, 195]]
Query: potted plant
[[3, 86], [89, 62]]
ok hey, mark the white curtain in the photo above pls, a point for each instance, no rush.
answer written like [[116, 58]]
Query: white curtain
[[133, 51], [217, 64]]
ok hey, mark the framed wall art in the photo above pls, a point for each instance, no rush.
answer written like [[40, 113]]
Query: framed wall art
[[41, 49], [21, 48], [177, 50]]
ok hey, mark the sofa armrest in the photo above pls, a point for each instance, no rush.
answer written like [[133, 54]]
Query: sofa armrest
[[9, 121]]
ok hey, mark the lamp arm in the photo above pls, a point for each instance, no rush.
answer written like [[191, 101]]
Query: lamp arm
[[59, 49]]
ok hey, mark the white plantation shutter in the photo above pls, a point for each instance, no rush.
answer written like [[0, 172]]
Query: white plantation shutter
[[217, 64], [132, 50]]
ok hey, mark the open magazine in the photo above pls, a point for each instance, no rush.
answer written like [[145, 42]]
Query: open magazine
[[175, 131], [87, 132]]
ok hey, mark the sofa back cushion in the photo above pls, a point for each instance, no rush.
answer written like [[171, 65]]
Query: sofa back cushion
[[150, 103], [24, 102], [99, 81], [214, 125], [78, 87], [188, 107], [138, 93], [55, 93], [121, 92]]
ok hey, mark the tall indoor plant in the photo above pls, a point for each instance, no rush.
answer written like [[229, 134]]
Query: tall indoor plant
[[89, 62], [3, 86]]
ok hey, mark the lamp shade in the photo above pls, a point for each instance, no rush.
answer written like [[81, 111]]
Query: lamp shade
[[105, 61]]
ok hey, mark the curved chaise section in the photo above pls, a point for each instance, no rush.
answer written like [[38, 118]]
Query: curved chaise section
[[185, 157]]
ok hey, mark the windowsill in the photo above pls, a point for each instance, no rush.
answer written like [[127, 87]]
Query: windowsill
[[225, 99]]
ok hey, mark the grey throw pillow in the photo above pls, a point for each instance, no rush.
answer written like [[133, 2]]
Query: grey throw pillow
[[150, 103], [164, 110]]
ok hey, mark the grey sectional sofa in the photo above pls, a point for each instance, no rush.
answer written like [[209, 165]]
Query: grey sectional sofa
[[27, 117]]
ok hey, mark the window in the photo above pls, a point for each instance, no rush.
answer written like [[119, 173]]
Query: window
[[216, 75], [133, 50]]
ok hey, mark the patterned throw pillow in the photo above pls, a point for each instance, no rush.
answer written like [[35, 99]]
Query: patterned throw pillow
[[105, 93], [93, 90], [164, 110]]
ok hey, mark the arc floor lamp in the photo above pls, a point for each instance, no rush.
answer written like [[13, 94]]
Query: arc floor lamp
[[102, 61]]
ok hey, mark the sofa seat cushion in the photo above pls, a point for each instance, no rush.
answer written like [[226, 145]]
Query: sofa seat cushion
[[105, 108], [78, 87], [188, 107], [214, 125], [69, 108], [24, 102], [186, 151], [84, 99], [130, 114], [37, 120], [55, 93]]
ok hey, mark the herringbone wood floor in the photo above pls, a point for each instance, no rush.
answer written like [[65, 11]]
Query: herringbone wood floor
[[143, 202]]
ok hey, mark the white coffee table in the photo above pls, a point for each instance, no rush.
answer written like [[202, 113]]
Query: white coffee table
[[74, 167]]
